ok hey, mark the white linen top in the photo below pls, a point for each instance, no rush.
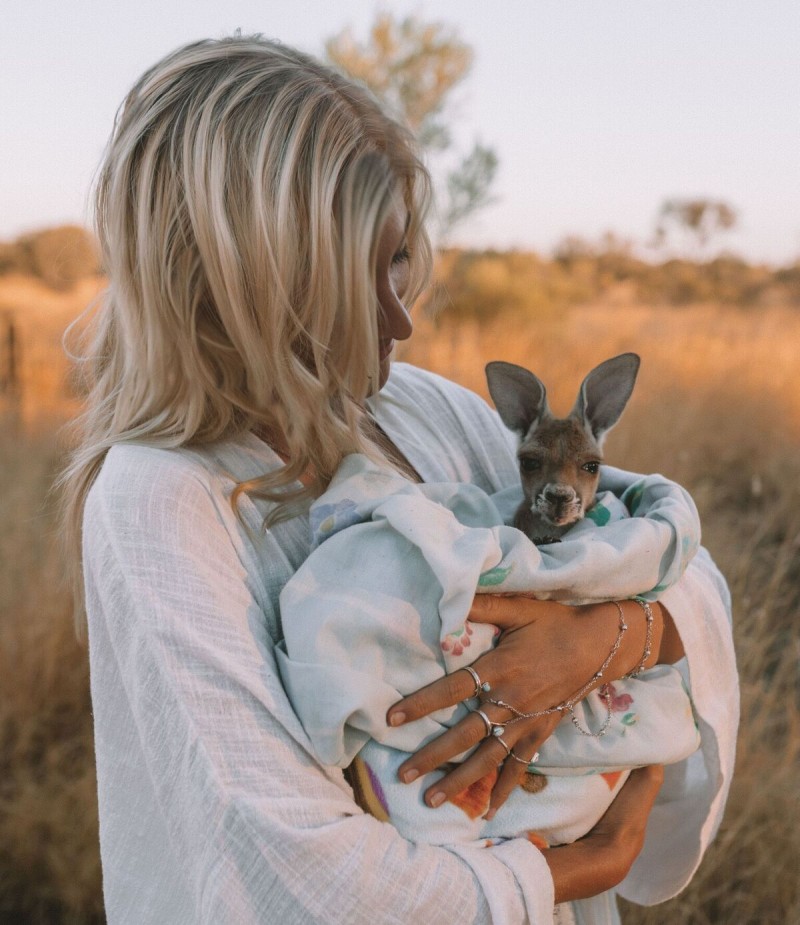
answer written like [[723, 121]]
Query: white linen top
[[212, 808]]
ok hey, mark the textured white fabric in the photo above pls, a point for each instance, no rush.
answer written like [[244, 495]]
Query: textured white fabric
[[212, 809]]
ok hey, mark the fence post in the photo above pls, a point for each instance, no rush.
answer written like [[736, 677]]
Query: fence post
[[10, 385]]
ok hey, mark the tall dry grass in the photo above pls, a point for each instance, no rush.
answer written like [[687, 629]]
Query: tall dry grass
[[717, 407], [49, 865]]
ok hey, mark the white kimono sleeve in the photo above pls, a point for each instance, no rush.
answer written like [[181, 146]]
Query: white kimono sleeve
[[690, 805], [211, 807]]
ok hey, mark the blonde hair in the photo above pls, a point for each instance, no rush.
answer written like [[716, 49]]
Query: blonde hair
[[239, 207]]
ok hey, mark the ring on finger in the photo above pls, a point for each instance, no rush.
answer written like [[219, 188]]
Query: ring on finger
[[492, 729], [480, 686], [506, 747], [487, 722], [522, 760]]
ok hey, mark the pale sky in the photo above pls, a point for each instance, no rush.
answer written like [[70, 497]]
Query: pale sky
[[598, 109]]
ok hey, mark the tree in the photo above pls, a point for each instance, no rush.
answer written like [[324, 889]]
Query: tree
[[698, 219], [413, 66]]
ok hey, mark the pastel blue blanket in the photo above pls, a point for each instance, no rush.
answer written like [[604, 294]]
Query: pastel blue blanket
[[380, 607]]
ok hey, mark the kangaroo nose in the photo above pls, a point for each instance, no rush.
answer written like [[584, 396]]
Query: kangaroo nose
[[556, 493]]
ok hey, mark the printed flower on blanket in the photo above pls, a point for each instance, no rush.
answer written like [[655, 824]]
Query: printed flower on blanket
[[456, 642], [620, 703], [326, 519]]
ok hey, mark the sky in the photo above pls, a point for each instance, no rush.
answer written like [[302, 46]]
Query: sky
[[598, 110]]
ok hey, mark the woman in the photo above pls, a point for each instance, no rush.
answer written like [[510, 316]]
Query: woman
[[261, 221]]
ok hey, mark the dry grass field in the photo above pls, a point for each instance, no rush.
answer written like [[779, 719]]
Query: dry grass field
[[717, 407]]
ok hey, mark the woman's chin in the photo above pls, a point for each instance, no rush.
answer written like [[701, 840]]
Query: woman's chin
[[384, 370]]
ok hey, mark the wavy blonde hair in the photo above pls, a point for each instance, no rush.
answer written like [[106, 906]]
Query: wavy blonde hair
[[239, 207]]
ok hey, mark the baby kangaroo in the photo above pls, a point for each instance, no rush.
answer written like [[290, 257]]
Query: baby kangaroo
[[559, 458]]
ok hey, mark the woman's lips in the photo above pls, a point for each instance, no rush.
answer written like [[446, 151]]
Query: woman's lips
[[386, 347]]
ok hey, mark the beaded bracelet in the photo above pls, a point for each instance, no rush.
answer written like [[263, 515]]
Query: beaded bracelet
[[648, 639]]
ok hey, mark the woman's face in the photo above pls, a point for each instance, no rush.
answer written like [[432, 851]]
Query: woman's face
[[394, 322]]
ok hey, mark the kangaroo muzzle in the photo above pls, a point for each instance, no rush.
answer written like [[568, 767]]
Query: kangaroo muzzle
[[559, 505]]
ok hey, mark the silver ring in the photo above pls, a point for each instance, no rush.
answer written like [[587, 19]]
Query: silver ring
[[492, 729], [485, 718], [480, 686], [522, 760], [500, 740]]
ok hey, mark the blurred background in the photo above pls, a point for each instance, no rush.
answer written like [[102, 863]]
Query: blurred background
[[609, 177]]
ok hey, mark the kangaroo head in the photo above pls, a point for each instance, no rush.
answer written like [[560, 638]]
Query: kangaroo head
[[559, 458]]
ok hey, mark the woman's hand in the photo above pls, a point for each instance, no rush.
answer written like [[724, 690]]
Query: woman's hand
[[547, 652], [602, 858]]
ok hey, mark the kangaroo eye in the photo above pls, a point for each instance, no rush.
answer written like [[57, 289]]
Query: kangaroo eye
[[592, 467], [529, 465]]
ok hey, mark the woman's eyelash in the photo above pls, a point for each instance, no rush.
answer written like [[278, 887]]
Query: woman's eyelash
[[402, 255]]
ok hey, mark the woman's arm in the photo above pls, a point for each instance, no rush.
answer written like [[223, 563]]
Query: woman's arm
[[603, 858], [193, 730]]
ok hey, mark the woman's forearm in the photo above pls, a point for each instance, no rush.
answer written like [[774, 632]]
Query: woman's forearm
[[603, 858], [581, 870]]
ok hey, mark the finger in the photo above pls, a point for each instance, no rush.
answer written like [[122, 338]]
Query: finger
[[465, 735], [445, 692], [482, 762], [527, 749], [510, 777], [509, 611], [503, 610]]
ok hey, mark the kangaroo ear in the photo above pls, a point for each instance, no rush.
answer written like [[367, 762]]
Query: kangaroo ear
[[605, 392], [519, 396]]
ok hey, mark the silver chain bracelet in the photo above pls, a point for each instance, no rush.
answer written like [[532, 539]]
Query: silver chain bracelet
[[571, 701], [648, 639]]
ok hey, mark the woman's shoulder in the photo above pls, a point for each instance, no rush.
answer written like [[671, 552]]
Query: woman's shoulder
[[453, 431], [423, 380], [423, 387], [214, 466], [154, 485], [128, 466], [142, 482]]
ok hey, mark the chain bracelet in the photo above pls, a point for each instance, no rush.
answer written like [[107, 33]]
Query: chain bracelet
[[648, 639], [605, 695], [603, 691], [571, 701]]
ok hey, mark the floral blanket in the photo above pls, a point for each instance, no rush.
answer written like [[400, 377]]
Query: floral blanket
[[379, 609]]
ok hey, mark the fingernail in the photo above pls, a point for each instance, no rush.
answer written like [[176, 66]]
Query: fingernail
[[397, 719], [437, 799], [490, 815], [409, 775]]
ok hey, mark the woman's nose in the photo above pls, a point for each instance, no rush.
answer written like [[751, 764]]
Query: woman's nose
[[396, 321]]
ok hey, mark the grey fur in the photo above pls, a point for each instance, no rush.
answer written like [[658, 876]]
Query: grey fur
[[557, 454]]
